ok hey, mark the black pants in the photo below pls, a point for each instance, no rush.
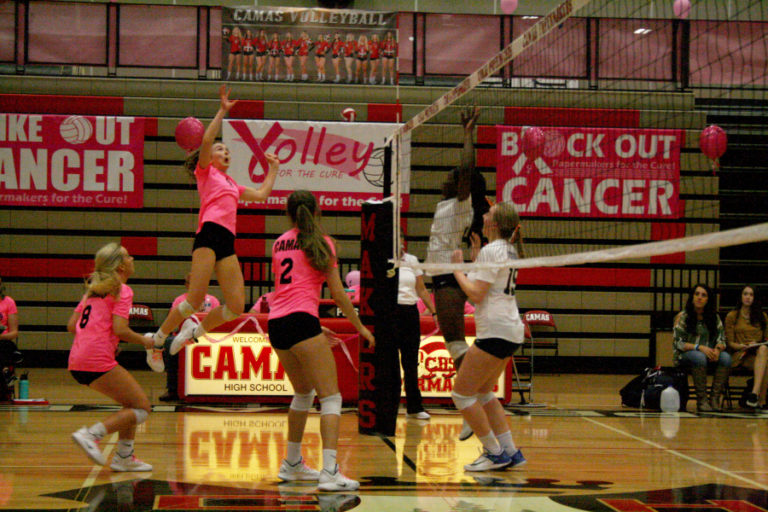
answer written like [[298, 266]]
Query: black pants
[[407, 339], [171, 367]]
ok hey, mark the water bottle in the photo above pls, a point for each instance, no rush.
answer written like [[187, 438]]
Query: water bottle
[[24, 386], [670, 400]]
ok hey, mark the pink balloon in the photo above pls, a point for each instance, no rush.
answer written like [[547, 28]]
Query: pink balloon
[[713, 141], [682, 8], [508, 6], [189, 134], [533, 142]]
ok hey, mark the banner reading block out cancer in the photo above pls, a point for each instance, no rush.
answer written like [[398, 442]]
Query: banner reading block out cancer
[[342, 163], [66, 161], [591, 172]]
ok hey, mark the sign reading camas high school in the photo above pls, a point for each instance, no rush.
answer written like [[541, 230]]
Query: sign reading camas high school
[[591, 172], [70, 161]]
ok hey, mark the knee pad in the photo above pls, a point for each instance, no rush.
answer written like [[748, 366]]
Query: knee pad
[[461, 401], [186, 309], [141, 415], [228, 314], [331, 405], [457, 349], [303, 401], [484, 398]]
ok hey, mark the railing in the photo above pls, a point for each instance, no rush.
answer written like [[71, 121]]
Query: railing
[[163, 41]]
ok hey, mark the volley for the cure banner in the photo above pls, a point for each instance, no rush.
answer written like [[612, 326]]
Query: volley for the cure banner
[[591, 172], [70, 161], [342, 163]]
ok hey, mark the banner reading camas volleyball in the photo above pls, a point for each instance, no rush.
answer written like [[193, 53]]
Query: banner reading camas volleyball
[[591, 172], [88, 161], [343, 163]]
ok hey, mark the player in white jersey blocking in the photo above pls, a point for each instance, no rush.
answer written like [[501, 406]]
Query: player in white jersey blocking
[[500, 332]]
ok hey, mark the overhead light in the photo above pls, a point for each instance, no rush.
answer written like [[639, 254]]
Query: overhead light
[[642, 31], [530, 17], [410, 38]]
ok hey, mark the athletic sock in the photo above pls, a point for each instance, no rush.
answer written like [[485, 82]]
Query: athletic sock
[[98, 430], [329, 460], [159, 338], [294, 453], [490, 443], [506, 442], [125, 447]]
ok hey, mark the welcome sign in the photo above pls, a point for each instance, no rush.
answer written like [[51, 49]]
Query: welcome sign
[[71, 161], [341, 162]]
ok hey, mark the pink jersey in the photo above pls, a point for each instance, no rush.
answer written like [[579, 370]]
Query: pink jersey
[[95, 342], [219, 194], [297, 284], [7, 308]]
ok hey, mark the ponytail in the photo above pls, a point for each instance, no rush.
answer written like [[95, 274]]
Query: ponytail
[[302, 207], [508, 222], [190, 164], [104, 279]]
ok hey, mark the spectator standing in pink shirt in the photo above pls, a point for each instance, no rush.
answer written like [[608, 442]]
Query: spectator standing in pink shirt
[[214, 247], [99, 322], [9, 316]]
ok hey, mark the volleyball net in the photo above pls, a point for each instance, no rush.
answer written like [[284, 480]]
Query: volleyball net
[[594, 123]]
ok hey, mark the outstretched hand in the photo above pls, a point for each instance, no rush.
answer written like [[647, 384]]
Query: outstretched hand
[[226, 103], [469, 118]]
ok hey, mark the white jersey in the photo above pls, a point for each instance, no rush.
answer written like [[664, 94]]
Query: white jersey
[[497, 315], [452, 218], [406, 289]]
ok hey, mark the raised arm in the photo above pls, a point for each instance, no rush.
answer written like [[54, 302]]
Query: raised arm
[[212, 131], [468, 121], [259, 195]]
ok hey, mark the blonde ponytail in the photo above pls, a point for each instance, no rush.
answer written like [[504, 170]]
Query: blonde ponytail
[[104, 280], [508, 222]]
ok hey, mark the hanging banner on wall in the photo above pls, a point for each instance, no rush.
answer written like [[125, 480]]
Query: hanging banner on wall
[[590, 172], [70, 161], [308, 45], [342, 163]]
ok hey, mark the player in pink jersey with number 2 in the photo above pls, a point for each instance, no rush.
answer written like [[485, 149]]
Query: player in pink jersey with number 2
[[303, 259], [99, 322], [214, 247]]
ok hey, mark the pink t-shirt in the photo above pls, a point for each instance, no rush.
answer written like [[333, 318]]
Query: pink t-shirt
[[7, 308], [297, 284], [219, 194], [95, 342]]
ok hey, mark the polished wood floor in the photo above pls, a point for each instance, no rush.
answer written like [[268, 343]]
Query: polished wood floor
[[584, 453]]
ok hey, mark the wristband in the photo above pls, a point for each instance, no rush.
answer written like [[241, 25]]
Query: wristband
[[696, 347]]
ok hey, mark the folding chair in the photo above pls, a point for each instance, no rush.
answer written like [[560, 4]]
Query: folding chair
[[536, 317]]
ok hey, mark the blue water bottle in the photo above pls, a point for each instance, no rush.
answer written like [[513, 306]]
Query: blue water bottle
[[24, 386]]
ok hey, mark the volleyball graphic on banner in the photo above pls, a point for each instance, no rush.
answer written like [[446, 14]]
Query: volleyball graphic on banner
[[349, 114], [75, 129]]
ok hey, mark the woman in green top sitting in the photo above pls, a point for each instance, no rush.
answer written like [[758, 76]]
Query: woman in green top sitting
[[698, 340]]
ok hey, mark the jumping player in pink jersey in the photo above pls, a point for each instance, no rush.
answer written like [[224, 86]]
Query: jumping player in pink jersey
[[302, 259], [214, 247], [99, 322]]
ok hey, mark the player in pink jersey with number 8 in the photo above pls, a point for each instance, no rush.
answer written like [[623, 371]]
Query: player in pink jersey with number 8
[[214, 247]]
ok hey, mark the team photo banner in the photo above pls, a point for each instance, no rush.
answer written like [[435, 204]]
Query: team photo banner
[[297, 44], [70, 161], [342, 163], [591, 172]]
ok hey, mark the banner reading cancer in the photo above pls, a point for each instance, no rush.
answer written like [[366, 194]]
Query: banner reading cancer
[[294, 44], [591, 172], [342, 163], [66, 161]]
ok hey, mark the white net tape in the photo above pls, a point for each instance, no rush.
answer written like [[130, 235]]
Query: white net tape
[[750, 234]]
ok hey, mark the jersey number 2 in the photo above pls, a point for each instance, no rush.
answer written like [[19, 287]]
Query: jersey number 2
[[285, 278]]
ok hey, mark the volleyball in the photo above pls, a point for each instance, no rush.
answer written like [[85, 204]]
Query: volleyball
[[75, 129], [508, 6], [189, 134], [349, 114], [682, 8]]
